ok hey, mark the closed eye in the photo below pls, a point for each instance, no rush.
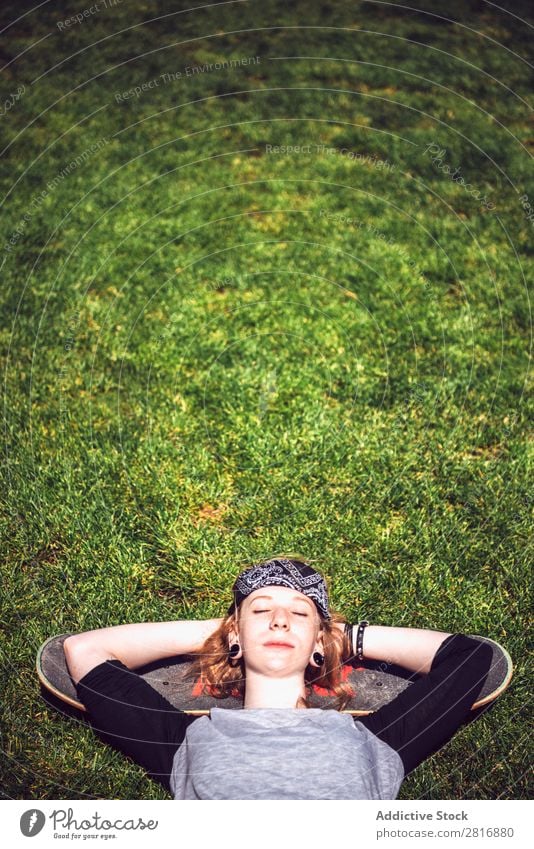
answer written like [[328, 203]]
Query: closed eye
[[296, 612]]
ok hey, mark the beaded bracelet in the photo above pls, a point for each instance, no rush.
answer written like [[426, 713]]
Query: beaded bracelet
[[359, 639]]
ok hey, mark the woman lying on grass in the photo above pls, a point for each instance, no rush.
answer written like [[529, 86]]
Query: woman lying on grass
[[278, 638]]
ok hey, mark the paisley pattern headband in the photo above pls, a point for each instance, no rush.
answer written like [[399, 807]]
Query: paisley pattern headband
[[283, 573]]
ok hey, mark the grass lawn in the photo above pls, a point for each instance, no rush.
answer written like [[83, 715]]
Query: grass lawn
[[264, 287]]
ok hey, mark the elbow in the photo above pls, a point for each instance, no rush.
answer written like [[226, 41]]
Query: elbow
[[73, 651], [473, 657], [72, 646], [480, 652], [478, 661], [484, 657], [82, 655], [69, 645]]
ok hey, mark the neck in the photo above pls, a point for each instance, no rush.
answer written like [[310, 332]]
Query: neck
[[265, 692]]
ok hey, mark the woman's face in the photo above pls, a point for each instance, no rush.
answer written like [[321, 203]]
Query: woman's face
[[279, 629]]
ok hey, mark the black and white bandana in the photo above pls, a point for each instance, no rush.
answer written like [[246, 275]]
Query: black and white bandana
[[283, 573]]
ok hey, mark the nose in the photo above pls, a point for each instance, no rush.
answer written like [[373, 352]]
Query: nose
[[279, 618]]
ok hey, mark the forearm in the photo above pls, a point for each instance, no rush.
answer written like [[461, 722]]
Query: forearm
[[136, 644], [411, 648]]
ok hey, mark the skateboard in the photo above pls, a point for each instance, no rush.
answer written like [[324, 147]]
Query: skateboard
[[373, 684]]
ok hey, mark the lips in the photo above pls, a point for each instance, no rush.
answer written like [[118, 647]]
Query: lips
[[279, 645]]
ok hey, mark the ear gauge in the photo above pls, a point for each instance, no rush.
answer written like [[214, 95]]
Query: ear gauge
[[318, 658], [233, 653]]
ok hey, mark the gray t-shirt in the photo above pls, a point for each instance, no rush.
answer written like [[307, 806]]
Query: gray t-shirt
[[283, 754]]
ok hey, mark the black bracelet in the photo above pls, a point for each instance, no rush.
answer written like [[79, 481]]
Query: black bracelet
[[349, 633], [359, 639]]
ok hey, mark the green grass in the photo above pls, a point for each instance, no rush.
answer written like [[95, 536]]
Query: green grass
[[212, 352]]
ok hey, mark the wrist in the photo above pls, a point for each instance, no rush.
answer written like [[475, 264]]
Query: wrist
[[359, 633], [206, 628]]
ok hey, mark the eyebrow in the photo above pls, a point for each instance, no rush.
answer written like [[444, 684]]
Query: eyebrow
[[295, 598]]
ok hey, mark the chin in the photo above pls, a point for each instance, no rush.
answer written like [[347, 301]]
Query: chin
[[279, 668]]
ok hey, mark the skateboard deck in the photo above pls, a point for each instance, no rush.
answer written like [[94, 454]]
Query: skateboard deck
[[372, 686]]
